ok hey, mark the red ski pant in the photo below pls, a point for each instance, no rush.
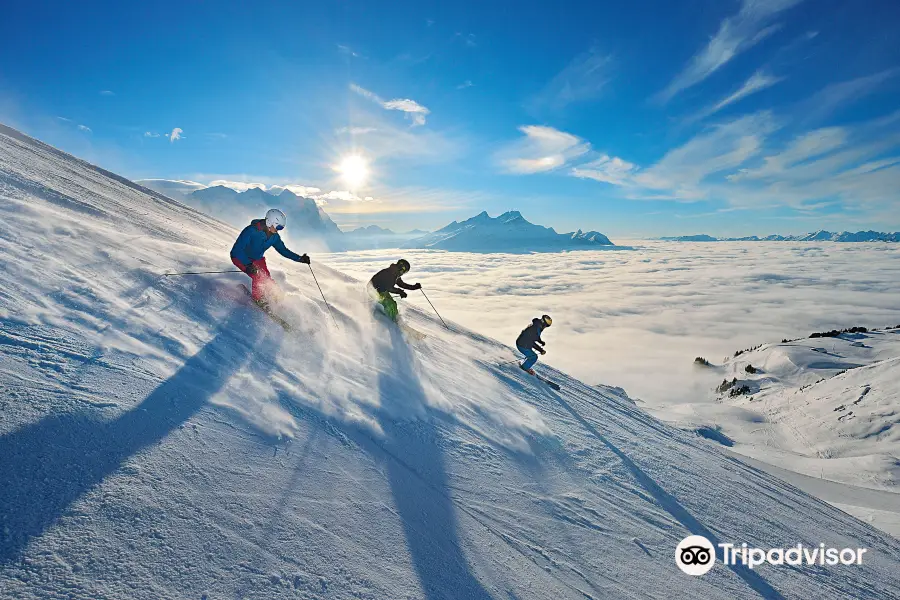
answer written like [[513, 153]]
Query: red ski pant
[[263, 284]]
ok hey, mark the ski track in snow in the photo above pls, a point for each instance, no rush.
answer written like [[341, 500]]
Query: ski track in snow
[[160, 438]]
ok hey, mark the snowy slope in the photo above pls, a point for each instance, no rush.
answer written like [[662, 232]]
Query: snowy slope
[[161, 439], [829, 406], [826, 408], [509, 232]]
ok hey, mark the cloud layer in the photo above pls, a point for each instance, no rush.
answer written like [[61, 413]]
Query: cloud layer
[[638, 318]]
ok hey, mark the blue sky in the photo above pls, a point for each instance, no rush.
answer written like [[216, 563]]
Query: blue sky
[[630, 118]]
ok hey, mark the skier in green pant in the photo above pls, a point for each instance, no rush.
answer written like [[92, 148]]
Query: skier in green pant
[[388, 281]]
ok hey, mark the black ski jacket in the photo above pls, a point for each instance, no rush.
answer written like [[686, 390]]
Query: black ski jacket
[[388, 280], [531, 336]]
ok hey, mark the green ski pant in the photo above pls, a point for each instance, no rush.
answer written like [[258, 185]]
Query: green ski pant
[[390, 305]]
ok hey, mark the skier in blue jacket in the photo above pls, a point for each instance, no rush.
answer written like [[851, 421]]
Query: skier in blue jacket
[[530, 340], [249, 249]]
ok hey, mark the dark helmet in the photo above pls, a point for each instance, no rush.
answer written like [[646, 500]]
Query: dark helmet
[[546, 320], [404, 265]]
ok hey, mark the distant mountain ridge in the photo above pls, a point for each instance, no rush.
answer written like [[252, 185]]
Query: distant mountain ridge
[[235, 207], [509, 232], [816, 236], [305, 217]]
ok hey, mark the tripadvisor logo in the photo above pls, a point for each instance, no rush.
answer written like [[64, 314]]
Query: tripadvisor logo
[[696, 555]]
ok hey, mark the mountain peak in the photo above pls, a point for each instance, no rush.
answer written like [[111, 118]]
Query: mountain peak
[[509, 232], [511, 215]]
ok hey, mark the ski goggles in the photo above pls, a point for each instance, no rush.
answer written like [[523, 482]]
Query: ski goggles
[[279, 227]]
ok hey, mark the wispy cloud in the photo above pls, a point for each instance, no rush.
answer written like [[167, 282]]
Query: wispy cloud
[[175, 135], [838, 95], [107, 93], [736, 34], [542, 149], [467, 38], [385, 141], [348, 51], [583, 79], [414, 111], [724, 147], [757, 82], [151, 134], [84, 128], [742, 163], [355, 130], [801, 149], [465, 84], [606, 169]]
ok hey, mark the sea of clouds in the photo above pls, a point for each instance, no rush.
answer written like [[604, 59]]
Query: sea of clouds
[[637, 318]]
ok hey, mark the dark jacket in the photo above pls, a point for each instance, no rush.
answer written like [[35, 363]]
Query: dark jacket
[[255, 239], [387, 280], [531, 336]]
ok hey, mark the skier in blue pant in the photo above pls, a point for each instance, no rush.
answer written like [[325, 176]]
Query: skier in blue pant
[[530, 340]]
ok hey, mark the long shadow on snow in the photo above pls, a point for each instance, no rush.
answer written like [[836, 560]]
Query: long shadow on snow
[[48, 465], [421, 490], [674, 508]]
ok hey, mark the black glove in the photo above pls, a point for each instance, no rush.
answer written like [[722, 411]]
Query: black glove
[[417, 286], [401, 293], [252, 270], [304, 259]]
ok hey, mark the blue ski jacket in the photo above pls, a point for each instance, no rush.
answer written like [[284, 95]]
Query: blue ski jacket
[[254, 240]]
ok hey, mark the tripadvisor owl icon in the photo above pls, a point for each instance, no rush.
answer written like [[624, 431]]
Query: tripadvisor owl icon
[[695, 555]]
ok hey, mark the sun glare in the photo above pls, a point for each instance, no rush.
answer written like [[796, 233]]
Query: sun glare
[[354, 169]]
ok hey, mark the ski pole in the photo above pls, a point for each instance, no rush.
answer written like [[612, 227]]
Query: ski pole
[[435, 310], [323, 294], [199, 273]]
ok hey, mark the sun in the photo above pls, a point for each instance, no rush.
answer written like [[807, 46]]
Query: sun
[[354, 169]]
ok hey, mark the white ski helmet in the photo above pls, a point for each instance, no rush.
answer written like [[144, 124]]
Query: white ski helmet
[[275, 218]]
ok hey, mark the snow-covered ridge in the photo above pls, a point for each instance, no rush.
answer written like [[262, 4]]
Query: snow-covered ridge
[[161, 439], [509, 232], [826, 408], [816, 236], [833, 403]]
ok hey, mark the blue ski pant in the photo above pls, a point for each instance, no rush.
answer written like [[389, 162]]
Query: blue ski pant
[[530, 357]]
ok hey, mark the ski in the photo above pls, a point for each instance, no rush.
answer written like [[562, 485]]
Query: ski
[[267, 311], [405, 329], [552, 384], [413, 333]]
